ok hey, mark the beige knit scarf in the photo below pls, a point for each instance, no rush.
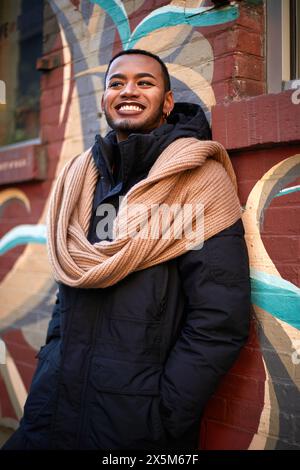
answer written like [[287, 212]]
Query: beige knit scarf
[[188, 172]]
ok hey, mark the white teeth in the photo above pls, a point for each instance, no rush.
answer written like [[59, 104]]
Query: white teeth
[[129, 107]]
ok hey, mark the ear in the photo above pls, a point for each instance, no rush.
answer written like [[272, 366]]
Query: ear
[[169, 102]]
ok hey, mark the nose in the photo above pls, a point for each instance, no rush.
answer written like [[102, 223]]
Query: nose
[[130, 89]]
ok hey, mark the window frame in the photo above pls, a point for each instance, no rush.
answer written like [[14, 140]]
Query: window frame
[[282, 44]]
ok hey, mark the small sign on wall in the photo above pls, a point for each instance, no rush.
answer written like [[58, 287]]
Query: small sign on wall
[[2, 92], [23, 163]]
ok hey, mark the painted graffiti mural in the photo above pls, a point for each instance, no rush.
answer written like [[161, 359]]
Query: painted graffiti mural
[[247, 408], [276, 300]]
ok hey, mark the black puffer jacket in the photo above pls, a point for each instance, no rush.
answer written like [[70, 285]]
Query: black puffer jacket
[[132, 366]]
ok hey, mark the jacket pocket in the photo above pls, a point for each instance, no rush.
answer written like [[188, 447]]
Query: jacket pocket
[[125, 399], [228, 259], [130, 339], [139, 296], [44, 383], [129, 378]]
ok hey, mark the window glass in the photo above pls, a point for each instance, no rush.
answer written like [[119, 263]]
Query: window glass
[[21, 42]]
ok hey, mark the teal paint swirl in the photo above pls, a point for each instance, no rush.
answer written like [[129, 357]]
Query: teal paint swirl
[[115, 9], [164, 17], [277, 296], [170, 15], [21, 235]]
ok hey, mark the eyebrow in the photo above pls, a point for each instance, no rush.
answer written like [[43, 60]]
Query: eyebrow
[[138, 75]]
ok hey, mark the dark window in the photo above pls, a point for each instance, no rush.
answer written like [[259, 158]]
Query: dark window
[[295, 38], [21, 42]]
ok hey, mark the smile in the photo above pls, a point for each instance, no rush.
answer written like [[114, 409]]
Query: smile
[[130, 108]]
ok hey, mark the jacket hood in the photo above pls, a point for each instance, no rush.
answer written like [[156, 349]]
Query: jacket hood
[[135, 156]]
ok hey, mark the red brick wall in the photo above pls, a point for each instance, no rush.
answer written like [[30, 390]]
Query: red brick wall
[[255, 405]]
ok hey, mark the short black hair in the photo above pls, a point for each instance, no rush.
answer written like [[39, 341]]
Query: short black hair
[[165, 72]]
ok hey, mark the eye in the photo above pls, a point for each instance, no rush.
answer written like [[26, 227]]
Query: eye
[[145, 83], [115, 84]]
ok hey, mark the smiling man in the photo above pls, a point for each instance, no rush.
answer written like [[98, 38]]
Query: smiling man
[[136, 100], [143, 330]]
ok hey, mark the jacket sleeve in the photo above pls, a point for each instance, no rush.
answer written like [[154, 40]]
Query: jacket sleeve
[[54, 324], [216, 285]]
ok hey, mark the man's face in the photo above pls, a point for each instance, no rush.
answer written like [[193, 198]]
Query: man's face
[[135, 99]]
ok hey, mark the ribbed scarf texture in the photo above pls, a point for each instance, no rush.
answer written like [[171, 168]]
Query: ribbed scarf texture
[[188, 171]]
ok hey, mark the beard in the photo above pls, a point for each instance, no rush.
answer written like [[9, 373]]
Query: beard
[[129, 126]]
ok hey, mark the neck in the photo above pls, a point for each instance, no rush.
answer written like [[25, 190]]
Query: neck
[[123, 135]]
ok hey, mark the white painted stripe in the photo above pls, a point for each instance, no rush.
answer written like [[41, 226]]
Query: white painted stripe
[[14, 385]]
